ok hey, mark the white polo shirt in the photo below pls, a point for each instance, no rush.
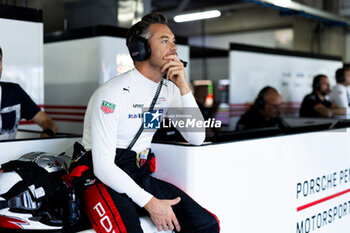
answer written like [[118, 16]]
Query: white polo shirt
[[340, 97]]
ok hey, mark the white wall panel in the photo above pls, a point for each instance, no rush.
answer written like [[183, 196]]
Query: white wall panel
[[277, 38]]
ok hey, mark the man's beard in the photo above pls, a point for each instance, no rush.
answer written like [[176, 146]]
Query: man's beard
[[324, 93]]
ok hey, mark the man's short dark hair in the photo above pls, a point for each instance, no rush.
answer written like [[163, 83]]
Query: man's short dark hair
[[346, 66], [339, 75], [141, 27], [1, 52]]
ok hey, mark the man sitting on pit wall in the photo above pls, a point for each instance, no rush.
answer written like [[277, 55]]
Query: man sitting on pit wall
[[16, 105], [265, 111], [315, 104]]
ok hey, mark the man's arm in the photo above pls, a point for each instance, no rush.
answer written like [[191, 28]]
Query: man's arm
[[31, 111], [104, 129], [329, 112], [337, 110], [46, 123], [176, 73], [186, 104]]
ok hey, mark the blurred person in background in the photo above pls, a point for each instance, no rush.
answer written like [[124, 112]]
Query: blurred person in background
[[340, 92], [16, 105], [315, 104], [265, 111]]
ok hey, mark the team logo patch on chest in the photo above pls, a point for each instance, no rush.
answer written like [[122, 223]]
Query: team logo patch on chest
[[107, 107]]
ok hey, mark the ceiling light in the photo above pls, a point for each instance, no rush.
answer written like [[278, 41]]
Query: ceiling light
[[197, 16]]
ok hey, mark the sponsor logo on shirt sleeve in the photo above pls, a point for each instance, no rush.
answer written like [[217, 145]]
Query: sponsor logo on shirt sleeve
[[107, 107]]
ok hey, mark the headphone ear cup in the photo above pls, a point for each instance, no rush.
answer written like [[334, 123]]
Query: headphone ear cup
[[316, 86], [139, 49], [259, 102]]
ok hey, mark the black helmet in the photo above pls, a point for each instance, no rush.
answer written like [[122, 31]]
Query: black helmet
[[32, 192]]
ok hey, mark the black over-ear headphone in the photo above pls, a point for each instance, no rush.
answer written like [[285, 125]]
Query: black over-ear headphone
[[339, 75], [259, 102], [139, 48]]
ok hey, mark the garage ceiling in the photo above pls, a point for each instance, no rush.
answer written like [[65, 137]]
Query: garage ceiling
[[237, 15]]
